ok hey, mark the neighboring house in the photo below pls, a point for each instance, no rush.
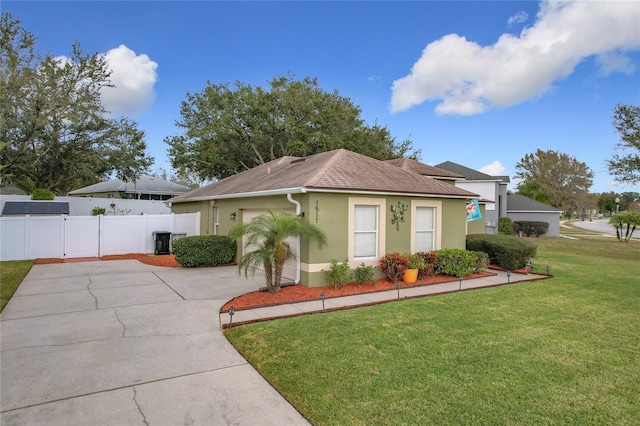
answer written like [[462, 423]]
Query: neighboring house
[[144, 188], [473, 227], [492, 189], [11, 190], [349, 196], [521, 208]]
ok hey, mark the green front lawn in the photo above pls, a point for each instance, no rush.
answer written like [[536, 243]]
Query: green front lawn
[[11, 275], [559, 351]]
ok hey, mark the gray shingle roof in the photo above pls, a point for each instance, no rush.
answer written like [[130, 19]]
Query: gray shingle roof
[[520, 203], [423, 169], [338, 170], [145, 184]]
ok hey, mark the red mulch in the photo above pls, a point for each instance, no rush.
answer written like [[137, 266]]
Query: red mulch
[[300, 293], [168, 260]]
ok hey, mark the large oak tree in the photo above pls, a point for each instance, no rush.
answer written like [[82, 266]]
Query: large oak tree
[[54, 131], [559, 178], [227, 130]]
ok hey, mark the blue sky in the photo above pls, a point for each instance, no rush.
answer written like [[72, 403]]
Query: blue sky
[[478, 83]]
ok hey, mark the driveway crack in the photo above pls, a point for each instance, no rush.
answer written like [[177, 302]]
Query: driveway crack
[[124, 327], [135, 395], [95, 299]]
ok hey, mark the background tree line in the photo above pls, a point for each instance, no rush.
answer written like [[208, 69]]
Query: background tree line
[[55, 133]]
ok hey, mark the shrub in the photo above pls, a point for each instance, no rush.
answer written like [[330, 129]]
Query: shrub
[[455, 262], [430, 264], [42, 194], [364, 273], [506, 251], [415, 261], [505, 226], [393, 266], [531, 228], [481, 260], [97, 211], [338, 273], [204, 250]]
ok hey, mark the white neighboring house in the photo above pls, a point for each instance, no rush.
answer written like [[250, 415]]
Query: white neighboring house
[[492, 189]]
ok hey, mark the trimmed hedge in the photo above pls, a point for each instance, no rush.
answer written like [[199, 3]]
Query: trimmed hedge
[[506, 251], [531, 228], [204, 250]]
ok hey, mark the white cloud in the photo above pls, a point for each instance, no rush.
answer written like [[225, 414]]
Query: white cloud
[[518, 18], [469, 79], [134, 77], [494, 169]]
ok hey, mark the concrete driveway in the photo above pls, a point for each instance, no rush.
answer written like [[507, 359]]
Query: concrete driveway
[[124, 343]]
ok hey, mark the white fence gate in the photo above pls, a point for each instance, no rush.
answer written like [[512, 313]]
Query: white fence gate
[[33, 237]]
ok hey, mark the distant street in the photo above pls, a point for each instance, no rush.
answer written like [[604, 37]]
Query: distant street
[[597, 225]]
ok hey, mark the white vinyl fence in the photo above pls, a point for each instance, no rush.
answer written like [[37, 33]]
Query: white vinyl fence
[[33, 237]]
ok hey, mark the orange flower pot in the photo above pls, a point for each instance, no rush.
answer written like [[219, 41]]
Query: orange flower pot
[[410, 276]]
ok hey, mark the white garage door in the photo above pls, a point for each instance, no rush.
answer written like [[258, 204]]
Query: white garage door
[[289, 272]]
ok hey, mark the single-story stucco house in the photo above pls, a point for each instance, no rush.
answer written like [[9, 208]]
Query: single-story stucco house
[[349, 196], [144, 188], [522, 209]]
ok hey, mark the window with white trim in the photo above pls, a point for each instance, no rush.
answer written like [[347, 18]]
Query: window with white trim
[[424, 229], [365, 232]]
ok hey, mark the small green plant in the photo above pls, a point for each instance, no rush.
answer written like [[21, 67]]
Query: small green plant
[[364, 273], [481, 260], [42, 194], [97, 211], [393, 266], [505, 226], [430, 264], [416, 261], [338, 273]]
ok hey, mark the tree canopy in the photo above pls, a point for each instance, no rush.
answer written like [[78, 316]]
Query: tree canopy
[[227, 129], [556, 177], [54, 130], [626, 166]]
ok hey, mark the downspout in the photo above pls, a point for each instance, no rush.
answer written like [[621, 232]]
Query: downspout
[[298, 211]]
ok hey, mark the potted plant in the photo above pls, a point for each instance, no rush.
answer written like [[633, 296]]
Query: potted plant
[[416, 263]]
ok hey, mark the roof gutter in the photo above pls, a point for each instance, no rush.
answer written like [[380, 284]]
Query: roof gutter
[[298, 212], [404, 194]]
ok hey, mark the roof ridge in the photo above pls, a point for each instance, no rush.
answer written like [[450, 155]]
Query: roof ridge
[[334, 156]]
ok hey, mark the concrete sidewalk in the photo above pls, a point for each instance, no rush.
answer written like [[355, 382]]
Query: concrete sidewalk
[[366, 299]]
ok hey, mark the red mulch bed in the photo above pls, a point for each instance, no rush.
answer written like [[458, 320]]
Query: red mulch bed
[[168, 260], [300, 293]]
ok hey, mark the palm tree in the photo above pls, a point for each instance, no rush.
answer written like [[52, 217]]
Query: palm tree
[[268, 234]]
